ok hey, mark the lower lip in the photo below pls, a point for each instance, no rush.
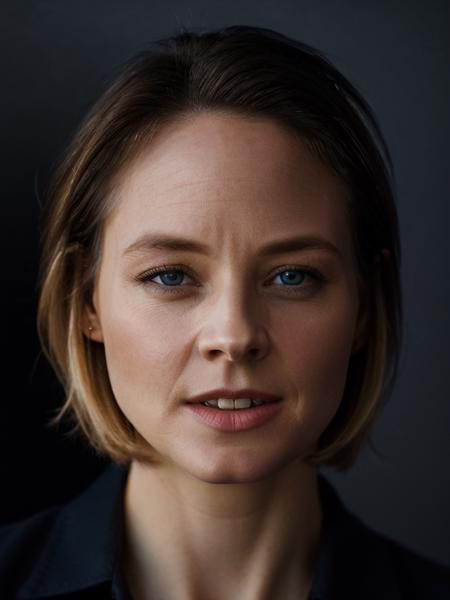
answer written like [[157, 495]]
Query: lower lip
[[234, 420]]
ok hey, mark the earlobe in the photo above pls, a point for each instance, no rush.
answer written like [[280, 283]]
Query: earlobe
[[90, 323]]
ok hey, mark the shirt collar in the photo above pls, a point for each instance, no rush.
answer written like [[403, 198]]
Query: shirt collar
[[84, 546], [354, 561]]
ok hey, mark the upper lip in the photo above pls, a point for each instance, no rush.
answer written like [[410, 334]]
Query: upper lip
[[233, 394]]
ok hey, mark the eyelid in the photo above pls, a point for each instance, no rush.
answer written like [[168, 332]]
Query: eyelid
[[161, 269], [146, 277]]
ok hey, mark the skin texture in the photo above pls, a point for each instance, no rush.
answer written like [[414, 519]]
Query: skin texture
[[245, 504]]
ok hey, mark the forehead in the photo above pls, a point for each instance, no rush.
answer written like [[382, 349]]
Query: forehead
[[228, 146], [216, 170]]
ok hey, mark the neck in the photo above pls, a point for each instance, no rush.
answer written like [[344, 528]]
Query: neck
[[186, 538]]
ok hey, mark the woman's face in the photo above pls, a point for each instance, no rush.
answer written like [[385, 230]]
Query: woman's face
[[232, 316]]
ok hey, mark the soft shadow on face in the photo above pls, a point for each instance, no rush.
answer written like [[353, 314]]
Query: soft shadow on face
[[232, 317]]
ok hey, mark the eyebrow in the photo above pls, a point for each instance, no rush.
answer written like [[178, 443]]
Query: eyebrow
[[160, 241]]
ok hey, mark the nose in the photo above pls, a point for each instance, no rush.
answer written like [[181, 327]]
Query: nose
[[233, 328]]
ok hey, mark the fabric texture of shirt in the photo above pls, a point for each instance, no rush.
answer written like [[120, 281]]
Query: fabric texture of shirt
[[73, 551]]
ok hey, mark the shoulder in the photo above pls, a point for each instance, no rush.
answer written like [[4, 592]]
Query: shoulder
[[357, 561], [66, 550], [421, 576], [20, 544], [417, 576]]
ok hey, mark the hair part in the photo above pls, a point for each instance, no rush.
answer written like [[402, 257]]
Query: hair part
[[246, 71]]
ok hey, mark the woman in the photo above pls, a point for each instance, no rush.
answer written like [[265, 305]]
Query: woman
[[220, 296]]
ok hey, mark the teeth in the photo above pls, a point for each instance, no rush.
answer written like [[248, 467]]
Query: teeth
[[226, 403], [229, 404]]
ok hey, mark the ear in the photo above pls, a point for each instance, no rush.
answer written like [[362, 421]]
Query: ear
[[90, 320]]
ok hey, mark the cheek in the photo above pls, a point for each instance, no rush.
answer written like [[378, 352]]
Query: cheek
[[141, 345], [316, 353]]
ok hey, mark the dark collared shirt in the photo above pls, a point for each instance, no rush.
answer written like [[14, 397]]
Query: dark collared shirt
[[74, 552]]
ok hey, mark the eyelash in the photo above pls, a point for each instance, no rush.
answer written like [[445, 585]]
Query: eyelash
[[146, 278]]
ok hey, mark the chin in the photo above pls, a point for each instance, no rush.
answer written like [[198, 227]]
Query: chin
[[247, 467]]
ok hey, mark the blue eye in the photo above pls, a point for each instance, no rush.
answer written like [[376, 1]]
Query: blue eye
[[172, 278], [297, 274]]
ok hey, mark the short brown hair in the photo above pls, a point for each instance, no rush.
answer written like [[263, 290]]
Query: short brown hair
[[253, 72]]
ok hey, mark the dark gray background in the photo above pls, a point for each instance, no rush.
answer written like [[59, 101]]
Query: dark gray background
[[56, 58]]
